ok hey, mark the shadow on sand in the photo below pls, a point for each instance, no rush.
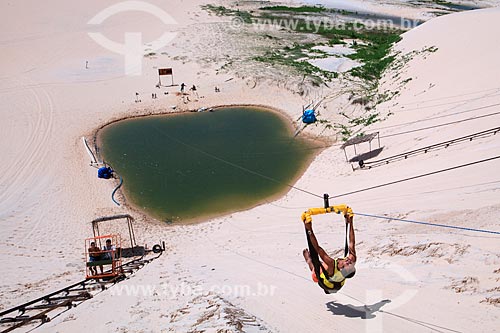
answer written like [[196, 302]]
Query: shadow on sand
[[351, 311], [369, 312], [366, 156]]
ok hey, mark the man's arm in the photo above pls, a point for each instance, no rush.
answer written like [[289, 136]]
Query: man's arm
[[352, 240], [322, 254]]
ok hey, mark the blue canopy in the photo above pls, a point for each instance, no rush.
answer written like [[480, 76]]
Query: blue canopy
[[308, 116], [105, 172]]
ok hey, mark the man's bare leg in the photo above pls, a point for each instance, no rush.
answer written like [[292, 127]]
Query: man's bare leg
[[308, 259]]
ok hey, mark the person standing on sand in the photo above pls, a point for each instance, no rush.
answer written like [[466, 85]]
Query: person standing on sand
[[339, 269], [193, 89], [182, 87]]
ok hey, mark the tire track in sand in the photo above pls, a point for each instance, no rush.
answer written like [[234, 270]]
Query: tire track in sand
[[22, 177]]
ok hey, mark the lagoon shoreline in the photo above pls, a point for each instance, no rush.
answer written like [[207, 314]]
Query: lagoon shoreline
[[315, 142]]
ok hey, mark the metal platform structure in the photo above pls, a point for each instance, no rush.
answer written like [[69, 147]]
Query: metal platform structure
[[363, 164], [357, 140], [34, 313], [40, 311]]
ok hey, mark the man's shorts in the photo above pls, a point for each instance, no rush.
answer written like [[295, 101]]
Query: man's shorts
[[92, 258], [324, 267]]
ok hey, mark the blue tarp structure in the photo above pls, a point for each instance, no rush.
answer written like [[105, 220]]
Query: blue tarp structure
[[308, 116], [105, 172]]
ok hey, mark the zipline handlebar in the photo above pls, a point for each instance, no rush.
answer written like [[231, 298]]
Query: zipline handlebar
[[307, 215]]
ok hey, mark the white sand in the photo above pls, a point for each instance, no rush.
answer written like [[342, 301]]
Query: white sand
[[334, 64], [435, 279]]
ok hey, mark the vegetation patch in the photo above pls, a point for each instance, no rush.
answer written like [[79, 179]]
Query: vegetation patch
[[296, 56], [223, 11], [371, 46], [301, 9], [308, 9], [374, 55]]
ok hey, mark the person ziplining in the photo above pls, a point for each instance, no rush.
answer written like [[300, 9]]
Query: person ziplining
[[332, 272]]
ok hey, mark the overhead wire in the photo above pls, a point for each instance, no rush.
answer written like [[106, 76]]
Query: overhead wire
[[462, 101], [339, 195], [416, 177], [440, 125], [440, 145], [453, 96], [438, 117], [234, 164], [429, 223], [431, 326], [434, 126]]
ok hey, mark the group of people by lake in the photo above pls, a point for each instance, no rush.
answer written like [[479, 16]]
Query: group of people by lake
[[183, 93]]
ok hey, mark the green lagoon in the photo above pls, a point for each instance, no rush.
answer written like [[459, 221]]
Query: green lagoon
[[189, 166]]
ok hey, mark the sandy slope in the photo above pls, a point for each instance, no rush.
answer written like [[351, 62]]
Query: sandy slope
[[410, 277]]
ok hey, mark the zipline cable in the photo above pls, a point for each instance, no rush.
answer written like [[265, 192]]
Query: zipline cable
[[348, 193], [236, 165], [444, 124], [444, 144], [429, 223], [415, 177], [438, 117], [431, 326], [454, 96], [462, 102]]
